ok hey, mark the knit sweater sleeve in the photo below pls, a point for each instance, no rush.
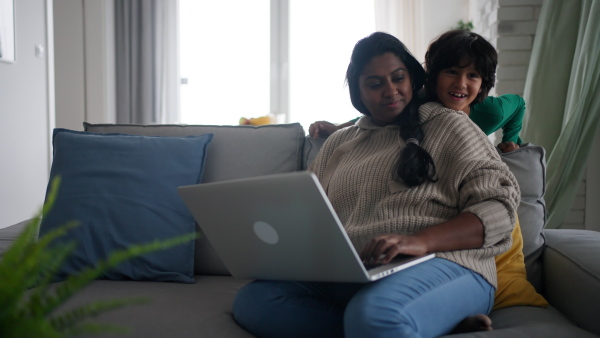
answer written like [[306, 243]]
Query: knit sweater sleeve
[[468, 164]]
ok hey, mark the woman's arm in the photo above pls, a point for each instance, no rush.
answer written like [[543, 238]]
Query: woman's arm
[[475, 180], [462, 232]]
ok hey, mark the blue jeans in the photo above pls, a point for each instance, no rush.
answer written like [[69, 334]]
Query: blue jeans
[[426, 300]]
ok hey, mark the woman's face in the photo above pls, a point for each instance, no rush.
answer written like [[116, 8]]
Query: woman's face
[[458, 87], [385, 88]]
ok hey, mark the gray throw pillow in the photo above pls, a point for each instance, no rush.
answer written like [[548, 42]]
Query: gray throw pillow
[[528, 164]]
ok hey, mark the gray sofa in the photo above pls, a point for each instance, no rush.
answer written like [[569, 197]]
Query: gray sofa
[[563, 265]]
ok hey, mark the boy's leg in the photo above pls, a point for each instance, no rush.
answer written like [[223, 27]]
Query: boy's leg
[[426, 300]]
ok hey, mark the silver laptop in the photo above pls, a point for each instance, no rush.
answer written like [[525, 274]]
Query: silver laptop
[[281, 227]]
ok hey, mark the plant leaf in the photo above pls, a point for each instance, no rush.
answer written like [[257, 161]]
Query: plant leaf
[[76, 282], [30, 262]]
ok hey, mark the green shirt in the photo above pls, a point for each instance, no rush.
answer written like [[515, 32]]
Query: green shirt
[[503, 112]]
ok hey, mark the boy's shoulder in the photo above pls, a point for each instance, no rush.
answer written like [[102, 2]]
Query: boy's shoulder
[[435, 111]]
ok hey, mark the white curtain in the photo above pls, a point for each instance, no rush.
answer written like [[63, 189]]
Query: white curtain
[[404, 20], [147, 61]]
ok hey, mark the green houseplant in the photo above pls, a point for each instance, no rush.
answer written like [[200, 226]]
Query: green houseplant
[[464, 25], [29, 299]]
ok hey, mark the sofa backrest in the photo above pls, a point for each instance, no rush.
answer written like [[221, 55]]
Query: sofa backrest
[[246, 151], [235, 151]]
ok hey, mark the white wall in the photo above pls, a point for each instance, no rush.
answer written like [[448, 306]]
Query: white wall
[[26, 112], [442, 16], [69, 63], [84, 62]]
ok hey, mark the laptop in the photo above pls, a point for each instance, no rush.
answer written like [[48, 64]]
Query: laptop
[[281, 227]]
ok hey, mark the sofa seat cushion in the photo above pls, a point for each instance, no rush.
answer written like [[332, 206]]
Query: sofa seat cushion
[[202, 309], [528, 322]]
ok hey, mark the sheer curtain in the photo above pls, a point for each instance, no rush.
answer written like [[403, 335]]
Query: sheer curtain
[[562, 92], [404, 20], [146, 61]]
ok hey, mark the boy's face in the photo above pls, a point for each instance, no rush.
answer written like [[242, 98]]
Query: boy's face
[[457, 87]]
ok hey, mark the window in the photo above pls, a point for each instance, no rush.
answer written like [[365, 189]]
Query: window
[[224, 60], [322, 36], [225, 56]]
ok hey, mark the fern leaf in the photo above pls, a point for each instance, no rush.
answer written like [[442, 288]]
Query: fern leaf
[[36, 304], [76, 282], [19, 265], [30, 270]]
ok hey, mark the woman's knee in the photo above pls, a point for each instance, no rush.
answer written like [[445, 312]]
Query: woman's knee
[[246, 302], [372, 315]]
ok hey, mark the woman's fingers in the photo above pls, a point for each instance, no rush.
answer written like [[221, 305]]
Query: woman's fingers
[[381, 249], [384, 248]]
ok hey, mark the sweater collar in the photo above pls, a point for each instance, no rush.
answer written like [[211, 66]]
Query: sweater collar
[[366, 122], [427, 112]]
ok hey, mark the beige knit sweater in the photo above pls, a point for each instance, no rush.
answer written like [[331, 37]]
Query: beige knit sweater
[[356, 167]]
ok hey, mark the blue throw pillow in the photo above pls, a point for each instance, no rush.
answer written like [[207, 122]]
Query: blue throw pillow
[[122, 189]]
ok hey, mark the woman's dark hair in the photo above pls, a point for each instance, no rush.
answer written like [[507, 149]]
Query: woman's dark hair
[[450, 50], [415, 165]]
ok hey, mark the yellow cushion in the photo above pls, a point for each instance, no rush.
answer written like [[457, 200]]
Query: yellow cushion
[[513, 287]]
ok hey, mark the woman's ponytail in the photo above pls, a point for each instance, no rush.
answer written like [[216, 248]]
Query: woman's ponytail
[[415, 164]]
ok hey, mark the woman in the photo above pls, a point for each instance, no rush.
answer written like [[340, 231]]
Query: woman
[[409, 180]]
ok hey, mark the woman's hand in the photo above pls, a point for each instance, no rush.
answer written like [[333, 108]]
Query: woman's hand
[[508, 146], [382, 249], [462, 232], [322, 129]]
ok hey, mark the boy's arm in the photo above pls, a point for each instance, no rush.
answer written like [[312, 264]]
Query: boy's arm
[[503, 112], [515, 110]]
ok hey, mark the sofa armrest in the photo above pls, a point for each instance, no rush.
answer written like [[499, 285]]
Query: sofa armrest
[[10, 233], [572, 275]]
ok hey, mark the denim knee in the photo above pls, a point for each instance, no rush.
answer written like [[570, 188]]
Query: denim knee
[[367, 316], [242, 308]]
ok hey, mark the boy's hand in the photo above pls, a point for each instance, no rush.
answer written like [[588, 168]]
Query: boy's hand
[[322, 129], [508, 146]]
